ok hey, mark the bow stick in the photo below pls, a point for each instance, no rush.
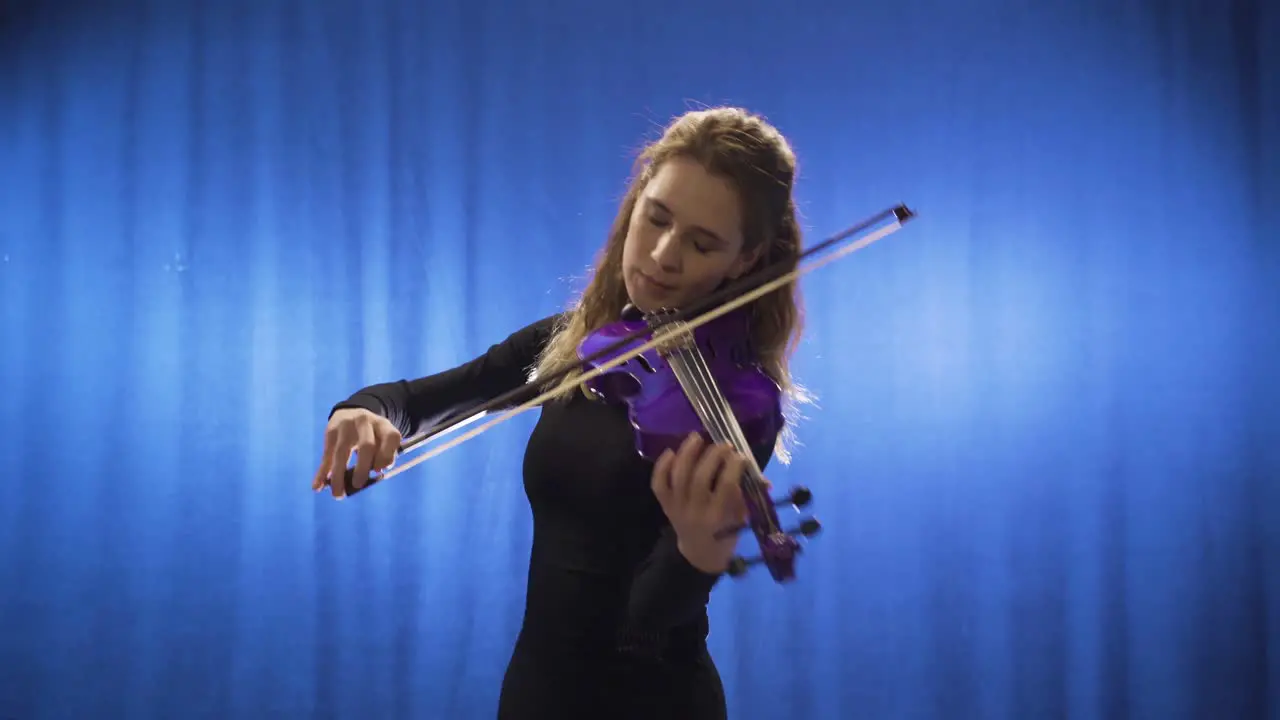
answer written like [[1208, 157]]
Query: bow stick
[[741, 292]]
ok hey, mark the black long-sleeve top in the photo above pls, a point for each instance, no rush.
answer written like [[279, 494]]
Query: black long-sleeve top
[[605, 575]]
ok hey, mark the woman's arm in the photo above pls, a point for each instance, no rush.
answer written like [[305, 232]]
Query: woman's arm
[[414, 405]]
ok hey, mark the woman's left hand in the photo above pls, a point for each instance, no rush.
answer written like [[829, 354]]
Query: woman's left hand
[[699, 488]]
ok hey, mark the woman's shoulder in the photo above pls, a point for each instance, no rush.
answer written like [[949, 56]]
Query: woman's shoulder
[[538, 333]]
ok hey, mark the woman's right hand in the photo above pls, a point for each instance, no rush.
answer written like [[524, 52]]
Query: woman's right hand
[[372, 437]]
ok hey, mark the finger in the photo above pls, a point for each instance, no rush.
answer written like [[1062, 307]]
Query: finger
[[730, 505], [322, 473], [388, 446], [731, 509], [342, 446], [734, 469], [730, 478], [366, 450], [661, 482], [704, 475], [682, 467]]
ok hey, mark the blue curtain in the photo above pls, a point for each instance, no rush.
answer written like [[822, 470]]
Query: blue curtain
[[1047, 443]]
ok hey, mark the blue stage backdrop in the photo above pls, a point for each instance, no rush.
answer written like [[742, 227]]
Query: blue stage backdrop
[[1046, 444]]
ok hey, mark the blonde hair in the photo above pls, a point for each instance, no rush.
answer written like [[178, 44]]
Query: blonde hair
[[750, 153]]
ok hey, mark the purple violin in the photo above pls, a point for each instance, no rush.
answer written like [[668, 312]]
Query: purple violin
[[709, 382]]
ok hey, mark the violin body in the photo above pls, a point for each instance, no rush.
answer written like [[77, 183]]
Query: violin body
[[659, 409], [709, 382]]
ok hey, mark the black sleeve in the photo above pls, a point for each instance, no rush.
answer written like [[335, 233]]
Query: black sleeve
[[667, 591], [414, 405]]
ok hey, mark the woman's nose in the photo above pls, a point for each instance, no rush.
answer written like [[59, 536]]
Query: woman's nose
[[667, 252]]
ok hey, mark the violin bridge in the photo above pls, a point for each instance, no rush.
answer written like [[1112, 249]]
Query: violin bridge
[[677, 337]]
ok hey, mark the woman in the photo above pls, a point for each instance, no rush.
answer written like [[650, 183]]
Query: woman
[[624, 554]]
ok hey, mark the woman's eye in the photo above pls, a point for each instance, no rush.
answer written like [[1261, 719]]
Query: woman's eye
[[662, 222]]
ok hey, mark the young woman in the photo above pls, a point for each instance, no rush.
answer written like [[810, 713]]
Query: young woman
[[624, 554]]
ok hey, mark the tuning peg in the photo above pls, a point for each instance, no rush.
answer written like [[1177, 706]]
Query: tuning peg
[[799, 497], [808, 527]]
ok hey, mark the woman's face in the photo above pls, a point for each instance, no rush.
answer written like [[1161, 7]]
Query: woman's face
[[684, 239]]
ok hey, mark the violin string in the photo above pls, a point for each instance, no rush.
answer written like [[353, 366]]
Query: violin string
[[673, 355], [733, 431], [726, 408], [699, 384], [691, 369], [723, 407], [702, 398], [571, 383], [699, 393], [701, 404], [696, 395]]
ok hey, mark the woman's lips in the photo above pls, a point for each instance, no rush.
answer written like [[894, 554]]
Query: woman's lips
[[654, 284]]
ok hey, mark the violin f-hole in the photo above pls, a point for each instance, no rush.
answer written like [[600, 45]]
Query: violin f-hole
[[644, 363]]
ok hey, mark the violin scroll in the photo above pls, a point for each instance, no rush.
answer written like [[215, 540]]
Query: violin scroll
[[778, 548]]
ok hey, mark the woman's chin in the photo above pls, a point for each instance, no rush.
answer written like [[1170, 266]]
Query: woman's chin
[[643, 300], [641, 303], [652, 297]]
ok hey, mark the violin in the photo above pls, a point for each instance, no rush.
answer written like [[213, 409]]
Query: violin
[[709, 382], [680, 371]]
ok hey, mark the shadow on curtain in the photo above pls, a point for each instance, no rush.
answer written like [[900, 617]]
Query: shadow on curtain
[[1046, 447]]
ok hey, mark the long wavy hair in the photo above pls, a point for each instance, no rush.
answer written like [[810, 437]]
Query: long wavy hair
[[759, 163]]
